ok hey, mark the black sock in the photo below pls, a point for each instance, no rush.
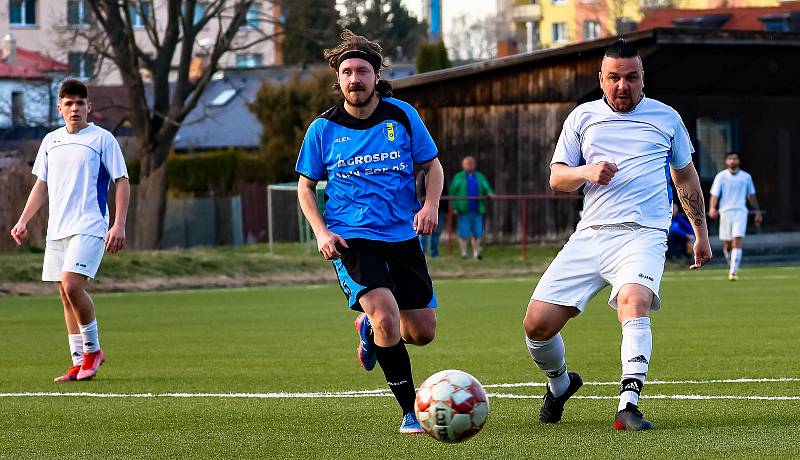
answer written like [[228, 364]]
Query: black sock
[[396, 367]]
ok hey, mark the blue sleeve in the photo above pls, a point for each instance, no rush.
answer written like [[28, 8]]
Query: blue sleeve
[[423, 149], [310, 163], [683, 222]]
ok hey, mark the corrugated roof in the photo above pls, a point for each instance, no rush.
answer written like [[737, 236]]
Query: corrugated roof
[[231, 124]]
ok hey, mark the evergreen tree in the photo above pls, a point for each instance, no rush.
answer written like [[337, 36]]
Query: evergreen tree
[[387, 22], [432, 56], [310, 26], [285, 111]]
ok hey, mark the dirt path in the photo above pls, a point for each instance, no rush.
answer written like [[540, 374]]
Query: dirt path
[[321, 276]]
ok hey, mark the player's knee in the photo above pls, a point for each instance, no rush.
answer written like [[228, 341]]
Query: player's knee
[[538, 330], [385, 323], [72, 289], [638, 301]]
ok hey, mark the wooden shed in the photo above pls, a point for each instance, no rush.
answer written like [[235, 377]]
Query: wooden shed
[[735, 90]]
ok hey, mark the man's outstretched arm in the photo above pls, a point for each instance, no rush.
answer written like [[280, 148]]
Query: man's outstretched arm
[[687, 184]]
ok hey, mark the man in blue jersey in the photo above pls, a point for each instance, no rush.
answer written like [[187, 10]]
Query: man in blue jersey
[[622, 150], [366, 148]]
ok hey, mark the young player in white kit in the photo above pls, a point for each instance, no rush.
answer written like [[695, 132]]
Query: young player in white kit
[[74, 166], [731, 190], [621, 149]]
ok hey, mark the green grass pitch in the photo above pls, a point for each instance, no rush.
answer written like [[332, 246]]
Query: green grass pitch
[[301, 340]]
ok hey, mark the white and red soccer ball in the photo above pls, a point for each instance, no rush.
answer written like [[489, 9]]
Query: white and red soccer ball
[[451, 406]]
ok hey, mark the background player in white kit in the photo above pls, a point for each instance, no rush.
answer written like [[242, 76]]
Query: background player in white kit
[[730, 191], [74, 166], [621, 149]]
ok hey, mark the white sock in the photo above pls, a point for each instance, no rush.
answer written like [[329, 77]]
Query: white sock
[[635, 351], [91, 342], [726, 254], [736, 259], [76, 348], [549, 356]]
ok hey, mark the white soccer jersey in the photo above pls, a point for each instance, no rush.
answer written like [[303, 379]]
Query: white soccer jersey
[[643, 143], [732, 189], [78, 169]]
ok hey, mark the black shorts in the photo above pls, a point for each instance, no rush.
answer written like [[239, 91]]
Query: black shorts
[[397, 266]]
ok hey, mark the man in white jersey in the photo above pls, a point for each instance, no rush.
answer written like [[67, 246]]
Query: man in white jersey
[[731, 190], [621, 149], [74, 166]]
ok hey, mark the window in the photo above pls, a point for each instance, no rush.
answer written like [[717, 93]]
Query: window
[[79, 13], [81, 65], [777, 25], [715, 137], [141, 12], [199, 12], [560, 32], [253, 16], [22, 12], [248, 60], [591, 30], [223, 98], [17, 109]]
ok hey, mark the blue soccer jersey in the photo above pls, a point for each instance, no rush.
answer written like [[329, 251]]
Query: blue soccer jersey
[[369, 166]]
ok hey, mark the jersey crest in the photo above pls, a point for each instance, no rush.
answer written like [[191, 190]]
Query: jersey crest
[[390, 131]]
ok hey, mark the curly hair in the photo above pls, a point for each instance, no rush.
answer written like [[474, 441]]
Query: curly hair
[[374, 55]]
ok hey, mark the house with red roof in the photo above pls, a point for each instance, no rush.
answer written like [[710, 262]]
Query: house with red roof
[[28, 89], [781, 18]]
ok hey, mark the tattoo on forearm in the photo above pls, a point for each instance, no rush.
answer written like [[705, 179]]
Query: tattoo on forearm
[[693, 206]]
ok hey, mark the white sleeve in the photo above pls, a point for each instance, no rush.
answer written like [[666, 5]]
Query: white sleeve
[[568, 148], [751, 188], [112, 157], [715, 186], [682, 148], [40, 165]]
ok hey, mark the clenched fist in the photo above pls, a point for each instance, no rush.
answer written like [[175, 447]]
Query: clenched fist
[[600, 173]]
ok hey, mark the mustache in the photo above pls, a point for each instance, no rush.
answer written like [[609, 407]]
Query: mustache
[[356, 87]]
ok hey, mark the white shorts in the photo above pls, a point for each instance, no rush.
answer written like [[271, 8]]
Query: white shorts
[[732, 224], [594, 258], [76, 254]]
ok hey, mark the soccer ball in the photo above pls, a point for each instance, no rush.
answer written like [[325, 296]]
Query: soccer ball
[[451, 406]]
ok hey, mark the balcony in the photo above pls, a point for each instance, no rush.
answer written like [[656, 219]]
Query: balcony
[[526, 13]]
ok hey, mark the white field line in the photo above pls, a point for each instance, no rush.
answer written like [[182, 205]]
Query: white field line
[[385, 393], [692, 397], [654, 382], [362, 395]]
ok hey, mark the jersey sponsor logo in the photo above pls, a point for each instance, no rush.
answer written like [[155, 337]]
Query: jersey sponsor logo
[[342, 139], [78, 264], [647, 277], [390, 131], [368, 158]]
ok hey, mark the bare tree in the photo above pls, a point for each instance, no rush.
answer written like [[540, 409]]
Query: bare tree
[[153, 52], [473, 38]]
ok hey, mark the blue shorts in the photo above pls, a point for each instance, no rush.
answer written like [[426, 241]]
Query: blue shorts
[[470, 225]]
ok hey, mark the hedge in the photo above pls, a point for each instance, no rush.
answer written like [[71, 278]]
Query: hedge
[[216, 172]]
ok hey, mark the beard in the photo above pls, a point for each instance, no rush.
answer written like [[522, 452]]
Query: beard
[[353, 99]]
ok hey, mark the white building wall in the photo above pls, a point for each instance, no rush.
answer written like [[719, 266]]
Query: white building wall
[[48, 36], [38, 102]]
